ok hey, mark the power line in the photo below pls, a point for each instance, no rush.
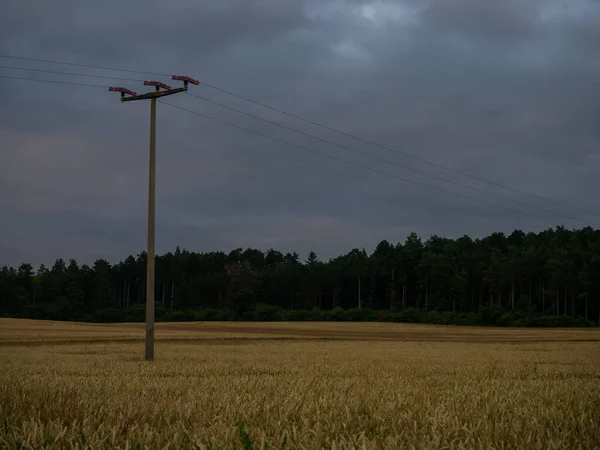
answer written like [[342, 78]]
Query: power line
[[319, 139], [389, 149], [335, 158], [303, 148], [299, 146], [53, 81], [366, 141], [68, 73], [387, 161], [47, 61]]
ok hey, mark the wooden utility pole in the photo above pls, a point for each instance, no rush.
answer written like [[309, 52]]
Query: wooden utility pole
[[127, 96]]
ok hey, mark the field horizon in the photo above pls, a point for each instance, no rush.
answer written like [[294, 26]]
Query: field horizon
[[14, 330]]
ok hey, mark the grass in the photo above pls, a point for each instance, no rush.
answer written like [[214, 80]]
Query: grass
[[488, 390]]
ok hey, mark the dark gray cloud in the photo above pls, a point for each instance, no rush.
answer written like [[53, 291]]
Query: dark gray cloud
[[506, 90], [490, 21], [111, 31]]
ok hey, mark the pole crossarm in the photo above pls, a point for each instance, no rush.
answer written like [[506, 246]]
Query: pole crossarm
[[150, 95]]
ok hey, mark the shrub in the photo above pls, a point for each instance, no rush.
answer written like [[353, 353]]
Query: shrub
[[336, 315], [261, 312], [224, 315], [435, 317], [491, 314], [468, 319], [558, 321], [386, 316], [45, 311], [412, 315], [362, 315], [108, 315], [316, 314], [505, 320], [135, 313], [300, 315]]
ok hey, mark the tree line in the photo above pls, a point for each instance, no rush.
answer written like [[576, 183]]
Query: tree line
[[551, 278]]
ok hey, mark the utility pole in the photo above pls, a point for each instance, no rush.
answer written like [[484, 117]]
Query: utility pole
[[127, 96]]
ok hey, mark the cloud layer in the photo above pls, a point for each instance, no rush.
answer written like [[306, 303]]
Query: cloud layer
[[503, 90]]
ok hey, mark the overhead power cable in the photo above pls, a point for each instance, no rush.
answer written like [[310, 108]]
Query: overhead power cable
[[53, 81], [69, 73], [393, 163], [304, 148], [389, 149], [352, 163], [366, 141], [64, 63]]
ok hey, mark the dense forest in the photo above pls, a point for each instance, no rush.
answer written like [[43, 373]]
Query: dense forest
[[551, 278]]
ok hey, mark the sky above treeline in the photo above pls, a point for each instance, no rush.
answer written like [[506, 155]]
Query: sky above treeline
[[507, 90]]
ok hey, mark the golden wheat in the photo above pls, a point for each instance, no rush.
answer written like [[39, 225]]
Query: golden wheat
[[249, 393]]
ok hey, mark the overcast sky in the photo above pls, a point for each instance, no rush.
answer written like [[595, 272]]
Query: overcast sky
[[506, 90]]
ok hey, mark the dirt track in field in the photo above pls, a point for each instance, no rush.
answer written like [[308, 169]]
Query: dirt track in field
[[22, 330]]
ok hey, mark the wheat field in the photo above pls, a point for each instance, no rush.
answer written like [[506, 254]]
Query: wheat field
[[300, 386]]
